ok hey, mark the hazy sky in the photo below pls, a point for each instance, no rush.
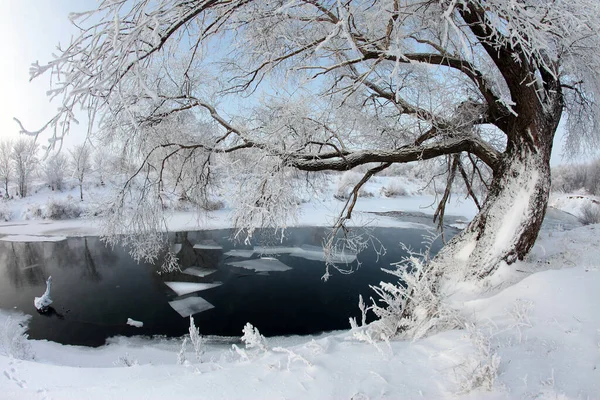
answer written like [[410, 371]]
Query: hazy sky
[[30, 31]]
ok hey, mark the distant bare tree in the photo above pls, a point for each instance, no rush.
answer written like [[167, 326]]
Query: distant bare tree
[[55, 169], [6, 167], [101, 161], [24, 157], [81, 164]]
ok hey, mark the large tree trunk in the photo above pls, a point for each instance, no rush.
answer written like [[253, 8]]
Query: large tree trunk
[[508, 223]]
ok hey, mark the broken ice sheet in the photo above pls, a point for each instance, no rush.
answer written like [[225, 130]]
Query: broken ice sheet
[[240, 253], [261, 265], [182, 288], [199, 271], [208, 245], [273, 250], [317, 253], [190, 305]]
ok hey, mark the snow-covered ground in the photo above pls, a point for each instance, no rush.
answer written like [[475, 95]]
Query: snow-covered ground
[[533, 333]]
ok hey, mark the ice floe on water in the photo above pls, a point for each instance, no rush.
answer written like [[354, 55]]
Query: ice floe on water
[[261, 265], [134, 323], [190, 305], [182, 288], [176, 247], [317, 253], [274, 249], [208, 245], [199, 271], [240, 253]]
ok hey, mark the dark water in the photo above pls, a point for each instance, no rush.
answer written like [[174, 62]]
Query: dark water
[[96, 288]]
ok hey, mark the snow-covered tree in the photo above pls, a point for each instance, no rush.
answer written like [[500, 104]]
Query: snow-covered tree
[[6, 167], [24, 158], [316, 85], [81, 164], [55, 169]]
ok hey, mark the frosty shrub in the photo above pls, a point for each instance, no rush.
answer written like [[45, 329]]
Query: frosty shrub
[[253, 339], [590, 214], [412, 307], [196, 340], [126, 361], [212, 205], [13, 339], [394, 188], [480, 371], [62, 209], [347, 181], [33, 211], [5, 212]]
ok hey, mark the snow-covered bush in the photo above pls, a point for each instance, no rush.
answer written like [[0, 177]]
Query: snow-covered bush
[[5, 212], [33, 211], [413, 306], [590, 214], [62, 209], [196, 340], [346, 183], [394, 188], [255, 343], [13, 339], [480, 371], [212, 205], [126, 361], [253, 339]]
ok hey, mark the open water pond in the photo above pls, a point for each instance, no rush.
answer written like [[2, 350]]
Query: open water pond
[[276, 287]]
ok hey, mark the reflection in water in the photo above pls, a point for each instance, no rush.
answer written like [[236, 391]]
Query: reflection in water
[[51, 312], [97, 288]]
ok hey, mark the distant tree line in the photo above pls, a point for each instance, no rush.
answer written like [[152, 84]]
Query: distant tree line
[[570, 178], [22, 160]]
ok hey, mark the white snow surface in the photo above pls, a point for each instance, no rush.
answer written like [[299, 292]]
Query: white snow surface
[[182, 288]]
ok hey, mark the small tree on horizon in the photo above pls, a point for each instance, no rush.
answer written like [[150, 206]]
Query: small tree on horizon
[[24, 158], [6, 165], [55, 169], [80, 164]]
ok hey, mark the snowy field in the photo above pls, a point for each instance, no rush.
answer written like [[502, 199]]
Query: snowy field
[[530, 331]]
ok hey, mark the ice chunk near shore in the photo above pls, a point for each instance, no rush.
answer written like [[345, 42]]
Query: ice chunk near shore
[[208, 245], [182, 288], [199, 271], [133, 322], [240, 253], [261, 265], [190, 305], [42, 303]]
